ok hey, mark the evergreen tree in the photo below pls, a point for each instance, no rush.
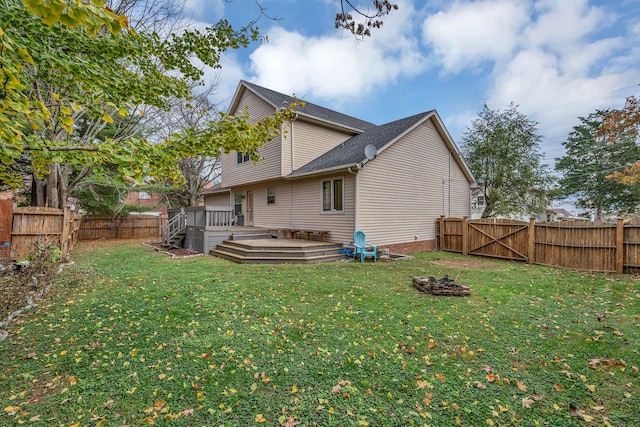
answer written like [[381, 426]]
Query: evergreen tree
[[590, 159]]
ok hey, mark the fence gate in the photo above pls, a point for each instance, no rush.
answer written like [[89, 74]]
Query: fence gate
[[499, 238]]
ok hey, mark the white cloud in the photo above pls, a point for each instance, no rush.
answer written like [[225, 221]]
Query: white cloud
[[197, 8], [470, 33], [336, 67], [548, 56], [561, 25]]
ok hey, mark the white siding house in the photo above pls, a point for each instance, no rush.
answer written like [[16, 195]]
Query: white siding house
[[317, 175]]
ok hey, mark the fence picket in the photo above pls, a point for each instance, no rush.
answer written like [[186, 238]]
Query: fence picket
[[588, 246]]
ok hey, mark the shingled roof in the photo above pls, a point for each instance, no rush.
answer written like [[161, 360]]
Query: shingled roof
[[351, 151], [310, 110]]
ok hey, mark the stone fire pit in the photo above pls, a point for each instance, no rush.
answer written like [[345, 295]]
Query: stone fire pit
[[444, 286]]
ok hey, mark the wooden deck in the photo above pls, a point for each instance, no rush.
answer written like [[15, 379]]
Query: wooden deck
[[279, 251]]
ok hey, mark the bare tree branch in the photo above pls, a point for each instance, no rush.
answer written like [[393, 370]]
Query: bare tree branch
[[345, 19]]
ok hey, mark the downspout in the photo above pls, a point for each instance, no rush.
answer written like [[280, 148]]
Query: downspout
[[292, 145], [355, 201], [450, 154]]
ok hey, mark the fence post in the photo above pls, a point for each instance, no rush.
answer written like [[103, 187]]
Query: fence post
[[465, 235], [66, 227], [620, 246], [440, 232], [531, 248]]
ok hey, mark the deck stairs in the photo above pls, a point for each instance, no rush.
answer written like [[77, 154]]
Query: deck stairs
[[278, 251], [174, 232]]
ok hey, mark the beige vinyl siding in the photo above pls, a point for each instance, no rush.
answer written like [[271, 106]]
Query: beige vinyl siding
[[218, 199], [405, 189], [310, 140], [234, 174], [298, 204]]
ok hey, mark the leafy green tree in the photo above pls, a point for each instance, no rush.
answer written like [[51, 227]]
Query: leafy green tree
[[590, 159], [623, 124], [81, 63], [502, 151]]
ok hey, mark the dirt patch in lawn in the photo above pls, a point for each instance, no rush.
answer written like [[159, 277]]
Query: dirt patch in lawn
[[468, 263], [174, 252]]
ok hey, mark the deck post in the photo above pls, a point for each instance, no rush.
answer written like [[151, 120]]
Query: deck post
[[440, 234], [531, 247], [620, 246]]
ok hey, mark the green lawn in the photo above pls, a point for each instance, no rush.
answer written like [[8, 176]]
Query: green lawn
[[128, 336]]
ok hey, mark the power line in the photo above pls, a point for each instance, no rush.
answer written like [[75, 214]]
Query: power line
[[586, 99]]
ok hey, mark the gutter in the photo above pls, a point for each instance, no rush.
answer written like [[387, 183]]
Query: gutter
[[325, 171]]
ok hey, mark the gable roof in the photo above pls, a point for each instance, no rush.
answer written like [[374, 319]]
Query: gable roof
[[309, 110], [351, 152]]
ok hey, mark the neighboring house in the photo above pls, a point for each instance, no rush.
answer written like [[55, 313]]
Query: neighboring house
[[146, 199], [337, 173], [559, 214]]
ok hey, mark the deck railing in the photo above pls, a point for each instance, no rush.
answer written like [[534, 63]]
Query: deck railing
[[176, 224], [205, 217]]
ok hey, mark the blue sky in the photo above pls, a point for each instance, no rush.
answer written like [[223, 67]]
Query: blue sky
[[557, 59]]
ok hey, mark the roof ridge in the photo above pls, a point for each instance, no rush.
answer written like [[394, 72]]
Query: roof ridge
[[310, 109]]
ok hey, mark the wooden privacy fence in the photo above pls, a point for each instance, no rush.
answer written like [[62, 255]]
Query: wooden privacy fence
[[588, 246], [120, 227], [45, 225]]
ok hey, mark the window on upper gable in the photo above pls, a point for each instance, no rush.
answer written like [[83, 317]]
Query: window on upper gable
[[480, 200], [242, 158]]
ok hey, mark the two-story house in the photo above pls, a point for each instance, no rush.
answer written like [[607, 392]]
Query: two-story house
[[330, 171]]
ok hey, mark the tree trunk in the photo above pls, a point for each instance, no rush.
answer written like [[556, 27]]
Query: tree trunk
[[38, 191], [52, 191]]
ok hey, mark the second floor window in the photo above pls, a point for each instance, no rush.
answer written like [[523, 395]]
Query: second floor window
[[243, 158]]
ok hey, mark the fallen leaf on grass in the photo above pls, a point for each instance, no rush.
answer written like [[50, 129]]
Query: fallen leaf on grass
[[260, 418], [527, 402], [289, 423], [521, 386], [422, 384], [558, 387], [480, 385]]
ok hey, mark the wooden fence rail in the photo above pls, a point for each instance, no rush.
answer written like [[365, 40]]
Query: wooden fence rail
[[45, 225], [588, 246], [120, 227]]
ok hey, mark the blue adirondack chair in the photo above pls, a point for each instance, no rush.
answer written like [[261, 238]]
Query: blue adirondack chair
[[363, 248]]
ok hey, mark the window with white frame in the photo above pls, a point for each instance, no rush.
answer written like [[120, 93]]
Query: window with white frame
[[143, 195], [480, 200], [332, 195], [271, 195]]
